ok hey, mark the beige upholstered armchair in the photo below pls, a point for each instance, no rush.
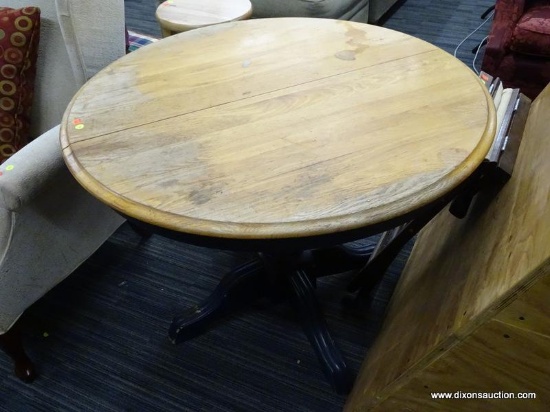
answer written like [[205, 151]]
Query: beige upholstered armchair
[[48, 224]]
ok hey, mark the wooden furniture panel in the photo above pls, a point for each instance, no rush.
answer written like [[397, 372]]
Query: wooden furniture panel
[[531, 310], [504, 358], [464, 278]]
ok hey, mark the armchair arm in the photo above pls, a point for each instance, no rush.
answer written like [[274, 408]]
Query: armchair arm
[[26, 173], [49, 225], [507, 14]]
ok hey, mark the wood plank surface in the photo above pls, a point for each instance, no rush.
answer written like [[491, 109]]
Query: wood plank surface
[[257, 129], [530, 310], [493, 266], [497, 359]]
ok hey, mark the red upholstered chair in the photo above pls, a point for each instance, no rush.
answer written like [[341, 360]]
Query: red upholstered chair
[[518, 48]]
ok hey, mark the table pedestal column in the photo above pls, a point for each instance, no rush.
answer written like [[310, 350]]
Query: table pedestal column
[[291, 276]]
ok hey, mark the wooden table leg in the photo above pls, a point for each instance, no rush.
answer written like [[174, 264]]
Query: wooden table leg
[[273, 275], [237, 287], [12, 344], [302, 297]]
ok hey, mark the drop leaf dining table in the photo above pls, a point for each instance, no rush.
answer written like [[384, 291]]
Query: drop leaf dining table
[[280, 136]]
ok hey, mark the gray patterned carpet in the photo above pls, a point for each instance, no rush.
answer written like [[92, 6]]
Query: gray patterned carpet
[[100, 338]]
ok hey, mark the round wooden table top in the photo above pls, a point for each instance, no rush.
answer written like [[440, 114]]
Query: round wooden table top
[[277, 128], [183, 15]]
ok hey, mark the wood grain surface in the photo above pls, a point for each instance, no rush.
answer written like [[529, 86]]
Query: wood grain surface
[[182, 15], [470, 311], [496, 359], [277, 128]]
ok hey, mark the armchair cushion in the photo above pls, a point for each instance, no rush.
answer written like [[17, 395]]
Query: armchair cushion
[[19, 37], [532, 33]]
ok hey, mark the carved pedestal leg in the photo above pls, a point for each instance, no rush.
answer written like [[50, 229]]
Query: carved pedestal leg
[[275, 275], [243, 282], [302, 295], [12, 344]]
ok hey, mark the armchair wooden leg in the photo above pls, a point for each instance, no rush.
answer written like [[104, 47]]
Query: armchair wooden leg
[[12, 344]]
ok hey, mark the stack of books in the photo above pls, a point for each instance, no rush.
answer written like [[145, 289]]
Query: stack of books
[[512, 108]]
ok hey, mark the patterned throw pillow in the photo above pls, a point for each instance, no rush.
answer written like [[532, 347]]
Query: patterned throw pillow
[[19, 36]]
